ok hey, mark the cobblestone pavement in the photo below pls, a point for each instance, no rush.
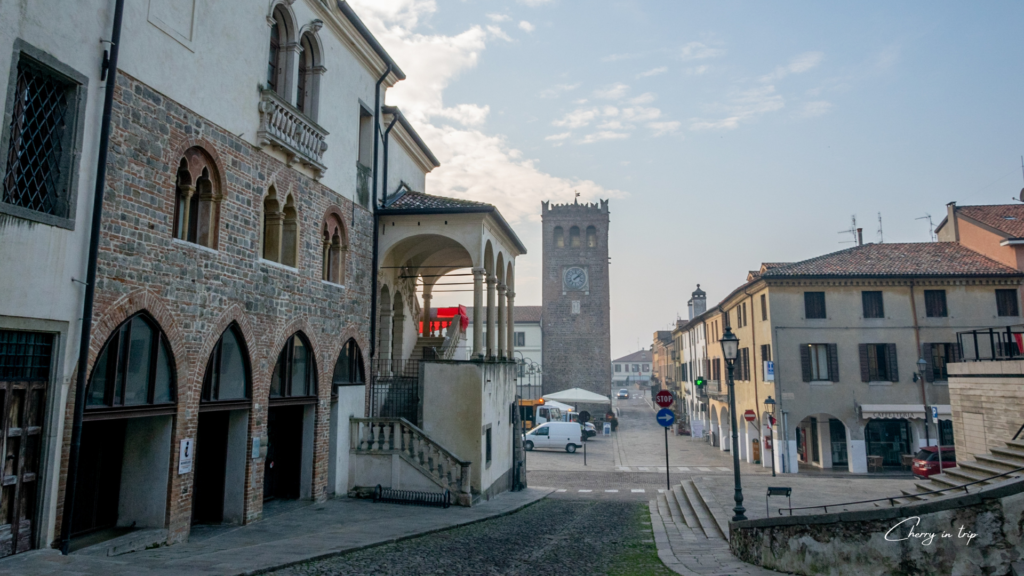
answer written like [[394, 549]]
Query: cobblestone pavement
[[552, 537]]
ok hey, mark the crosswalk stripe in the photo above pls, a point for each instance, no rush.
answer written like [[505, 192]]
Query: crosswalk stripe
[[611, 490], [661, 490], [683, 469], [661, 468], [586, 490], [560, 490], [637, 490], [644, 469], [723, 468], [706, 469]]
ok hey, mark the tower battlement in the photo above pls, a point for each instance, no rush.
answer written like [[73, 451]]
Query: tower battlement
[[575, 207]]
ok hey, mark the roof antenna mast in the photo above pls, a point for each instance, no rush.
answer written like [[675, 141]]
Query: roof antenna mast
[[931, 227], [852, 231], [881, 238]]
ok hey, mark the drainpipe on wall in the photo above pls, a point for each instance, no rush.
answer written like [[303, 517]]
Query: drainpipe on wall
[[376, 233], [110, 69], [387, 139], [917, 340]]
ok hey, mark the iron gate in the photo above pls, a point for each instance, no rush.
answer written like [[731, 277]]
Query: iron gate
[[395, 389]]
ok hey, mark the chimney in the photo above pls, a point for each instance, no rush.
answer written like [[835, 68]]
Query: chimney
[[700, 303], [689, 308], [860, 236], [951, 220]]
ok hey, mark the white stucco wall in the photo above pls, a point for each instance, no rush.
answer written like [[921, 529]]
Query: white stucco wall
[[402, 167]]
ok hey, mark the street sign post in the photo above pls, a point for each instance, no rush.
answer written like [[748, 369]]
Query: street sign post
[[666, 418], [749, 416], [769, 371], [663, 398]]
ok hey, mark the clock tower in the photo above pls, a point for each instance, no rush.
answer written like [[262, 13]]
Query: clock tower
[[576, 311]]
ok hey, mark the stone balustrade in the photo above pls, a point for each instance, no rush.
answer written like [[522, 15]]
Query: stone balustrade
[[398, 435], [283, 126]]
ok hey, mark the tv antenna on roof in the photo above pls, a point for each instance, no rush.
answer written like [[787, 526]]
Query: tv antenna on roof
[[931, 227], [1021, 198], [881, 238], [852, 231]]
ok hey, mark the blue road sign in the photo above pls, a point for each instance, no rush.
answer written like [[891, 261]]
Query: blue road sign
[[665, 417]]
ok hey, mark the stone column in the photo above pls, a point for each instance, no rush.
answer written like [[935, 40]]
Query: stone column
[[478, 313], [385, 334], [272, 237], [503, 323], [186, 194], [511, 320], [327, 257], [856, 451], [492, 316], [426, 312], [824, 442]]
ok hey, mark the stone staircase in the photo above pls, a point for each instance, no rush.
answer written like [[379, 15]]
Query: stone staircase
[[686, 507], [985, 466], [426, 343]]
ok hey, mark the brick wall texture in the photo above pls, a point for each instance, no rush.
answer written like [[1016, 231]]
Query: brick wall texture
[[196, 293], [576, 347]]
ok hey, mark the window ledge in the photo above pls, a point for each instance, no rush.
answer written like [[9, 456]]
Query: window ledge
[[821, 383], [187, 244], [36, 216], [880, 383], [335, 284], [273, 264]]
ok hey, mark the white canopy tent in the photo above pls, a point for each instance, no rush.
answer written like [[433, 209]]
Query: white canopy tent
[[577, 396], [559, 405]]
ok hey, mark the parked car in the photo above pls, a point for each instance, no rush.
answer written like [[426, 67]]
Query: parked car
[[926, 461], [565, 435], [589, 430], [623, 393]]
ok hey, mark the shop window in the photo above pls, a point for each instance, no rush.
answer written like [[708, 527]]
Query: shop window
[[134, 368], [227, 371], [295, 372]]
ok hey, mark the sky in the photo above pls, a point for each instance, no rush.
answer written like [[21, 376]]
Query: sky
[[725, 134]]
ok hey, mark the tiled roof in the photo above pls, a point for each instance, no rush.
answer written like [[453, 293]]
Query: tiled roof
[[896, 260], [1007, 218], [527, 313], [639, 356], [419, 200]]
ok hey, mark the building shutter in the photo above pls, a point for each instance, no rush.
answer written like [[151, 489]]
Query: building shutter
[[894, 371], [833, 362], [746, 363], [929, 357], [865, 371], [805, 361]]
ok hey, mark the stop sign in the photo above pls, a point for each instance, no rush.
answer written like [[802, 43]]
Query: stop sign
[[749, 416], [663, 398]]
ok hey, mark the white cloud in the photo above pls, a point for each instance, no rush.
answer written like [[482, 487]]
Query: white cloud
[[534, 2], [653, 72], [561, 136], [559, 89], [526, 26], [662, 128], [603, 136], [497, 32], [699, 51], [798, 65], [577, 118], [499, 17], [743, 106], [466, 114], [613, 92], [612, 125], [645, 98], [698, 70], [817, 108], [640, 114]]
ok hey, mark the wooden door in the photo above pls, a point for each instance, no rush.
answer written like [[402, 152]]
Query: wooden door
[[23, 406]]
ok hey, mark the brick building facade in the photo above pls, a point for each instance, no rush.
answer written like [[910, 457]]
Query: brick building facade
[[576, 304], [194, 293]]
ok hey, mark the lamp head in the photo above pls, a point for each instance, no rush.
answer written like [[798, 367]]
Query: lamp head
[[730, 345], [769, 405], [921, 365]]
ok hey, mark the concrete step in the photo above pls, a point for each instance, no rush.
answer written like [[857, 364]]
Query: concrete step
[[674, 508], [997, 463], [684, 506], [1016, 444], [982, 468], [1009, 453], [705, 519], [964, 475]]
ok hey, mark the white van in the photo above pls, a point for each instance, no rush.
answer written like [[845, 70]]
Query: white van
[[561, 435]]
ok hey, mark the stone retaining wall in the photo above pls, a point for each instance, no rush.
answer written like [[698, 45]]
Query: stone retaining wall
[[875, 542]]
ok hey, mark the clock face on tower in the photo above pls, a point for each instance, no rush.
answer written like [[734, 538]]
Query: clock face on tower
[[574, 278]]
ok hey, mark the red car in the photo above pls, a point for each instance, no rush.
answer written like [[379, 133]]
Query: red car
[[926, 461]]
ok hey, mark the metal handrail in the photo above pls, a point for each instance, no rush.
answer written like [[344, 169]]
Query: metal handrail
[[1019, 430], [892, 499], [451, 339]]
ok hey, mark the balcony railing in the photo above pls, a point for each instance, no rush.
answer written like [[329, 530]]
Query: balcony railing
[[284, 127], [991, 344]]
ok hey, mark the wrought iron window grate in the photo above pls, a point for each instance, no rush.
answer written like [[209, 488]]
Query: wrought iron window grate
[[25, 355], [36, 150]]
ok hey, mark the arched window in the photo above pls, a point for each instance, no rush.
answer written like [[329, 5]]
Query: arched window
[[310, 69], [574, 237], [349, 370], [197, 199], [272, 221], [289, 233], [335, 249], [559, 237], [591, 237], [135, 368], [295, 372], [227, 372], [281, 37]]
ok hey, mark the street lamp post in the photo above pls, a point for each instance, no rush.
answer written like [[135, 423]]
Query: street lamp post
[[922, 365], [730, 348], [769, 407]]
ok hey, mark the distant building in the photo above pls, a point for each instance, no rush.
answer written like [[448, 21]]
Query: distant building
[[633, 368], [662, 367]]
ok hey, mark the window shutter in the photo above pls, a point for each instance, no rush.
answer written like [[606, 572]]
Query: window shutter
[[894, 371], [929, 371], [865, 372], [833, 362], [805, 361]]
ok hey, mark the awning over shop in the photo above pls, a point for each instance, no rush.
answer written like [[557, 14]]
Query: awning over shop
[[897, 411]]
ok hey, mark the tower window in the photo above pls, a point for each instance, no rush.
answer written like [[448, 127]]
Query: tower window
[[574, 237], [559, 237], [591, 237]]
